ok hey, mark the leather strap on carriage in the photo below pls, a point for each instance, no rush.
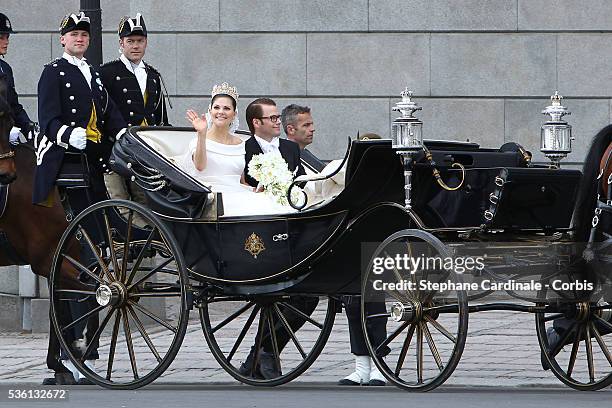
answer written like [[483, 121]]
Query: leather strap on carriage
[[4, 188], [436, 172]]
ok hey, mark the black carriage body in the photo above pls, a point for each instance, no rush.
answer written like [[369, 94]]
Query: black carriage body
[[320, 250]]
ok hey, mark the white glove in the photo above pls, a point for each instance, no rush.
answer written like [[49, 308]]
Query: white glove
[[15, 135], [78, 138]]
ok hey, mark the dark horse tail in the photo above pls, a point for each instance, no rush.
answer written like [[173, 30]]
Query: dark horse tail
[[587, 195]]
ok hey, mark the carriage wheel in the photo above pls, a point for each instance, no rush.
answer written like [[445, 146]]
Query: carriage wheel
[[581, 355], [238, 332], [134, 307], [426, 328]]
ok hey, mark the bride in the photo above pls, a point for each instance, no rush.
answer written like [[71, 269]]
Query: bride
[[216, 156]]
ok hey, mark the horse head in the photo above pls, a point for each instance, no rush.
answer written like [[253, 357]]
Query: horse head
[[8, 170]]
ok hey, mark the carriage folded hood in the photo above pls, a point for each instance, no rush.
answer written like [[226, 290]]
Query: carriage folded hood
[[141, 156]]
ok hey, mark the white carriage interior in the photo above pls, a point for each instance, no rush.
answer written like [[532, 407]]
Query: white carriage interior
[[173, 145]]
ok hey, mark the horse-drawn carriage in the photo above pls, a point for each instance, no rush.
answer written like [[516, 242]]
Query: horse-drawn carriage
[[252, 278]]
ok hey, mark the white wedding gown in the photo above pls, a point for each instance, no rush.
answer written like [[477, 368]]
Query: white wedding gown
[[224, 167]]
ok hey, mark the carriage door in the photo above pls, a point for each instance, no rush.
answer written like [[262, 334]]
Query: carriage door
[[254, 249]]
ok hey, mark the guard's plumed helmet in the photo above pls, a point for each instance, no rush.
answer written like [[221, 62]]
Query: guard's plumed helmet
[[73, 22], [5, 25], [132, 26]]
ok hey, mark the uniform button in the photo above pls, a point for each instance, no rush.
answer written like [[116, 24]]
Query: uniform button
[[102, 122], [74, 111], [129, 101], [67, 84], [100, 159], [131, 113], [71, 97], [55, 65], [124, 90], [62, 73], [72, 123], [129, 124], [97, 74], [154, 81], [117, 78]]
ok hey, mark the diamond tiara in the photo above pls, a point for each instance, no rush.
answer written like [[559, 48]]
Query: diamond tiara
[[226, 89]]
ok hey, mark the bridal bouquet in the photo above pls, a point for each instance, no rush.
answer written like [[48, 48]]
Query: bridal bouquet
[[272, 173]]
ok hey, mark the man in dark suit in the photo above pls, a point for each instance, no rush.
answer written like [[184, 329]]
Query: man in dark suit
[[23, 124], [264, 123], [299, 127]]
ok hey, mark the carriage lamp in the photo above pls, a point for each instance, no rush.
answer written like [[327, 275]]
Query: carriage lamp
[[556, 134], [407, 135], [407, 131]]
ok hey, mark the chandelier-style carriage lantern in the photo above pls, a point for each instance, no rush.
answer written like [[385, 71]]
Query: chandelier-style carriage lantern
[[556, 134], [406, 130]]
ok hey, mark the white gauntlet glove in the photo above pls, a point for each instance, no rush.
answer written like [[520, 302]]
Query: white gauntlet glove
[[14, 136], [78, 138]]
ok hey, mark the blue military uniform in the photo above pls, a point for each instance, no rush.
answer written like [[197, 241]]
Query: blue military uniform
[[66, 102], [21, 118]]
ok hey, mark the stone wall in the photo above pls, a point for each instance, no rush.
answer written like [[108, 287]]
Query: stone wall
[[482, 69]]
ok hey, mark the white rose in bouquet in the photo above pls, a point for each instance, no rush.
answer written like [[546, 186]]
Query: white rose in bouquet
[[272, 173]]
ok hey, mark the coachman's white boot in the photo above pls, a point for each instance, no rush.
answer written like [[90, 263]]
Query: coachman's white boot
[[376, 377], [361, 375]]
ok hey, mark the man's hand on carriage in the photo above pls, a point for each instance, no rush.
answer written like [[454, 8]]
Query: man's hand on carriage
[[78, 138], [197, 121]]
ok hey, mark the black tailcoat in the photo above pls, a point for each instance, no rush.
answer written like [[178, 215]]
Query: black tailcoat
[[125, 91], [288, 149], [20, 116], [64, 103]]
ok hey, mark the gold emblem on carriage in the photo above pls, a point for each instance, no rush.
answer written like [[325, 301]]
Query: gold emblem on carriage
[[254, 245]]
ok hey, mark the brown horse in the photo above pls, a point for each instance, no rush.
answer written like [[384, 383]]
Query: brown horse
[[33, 231]]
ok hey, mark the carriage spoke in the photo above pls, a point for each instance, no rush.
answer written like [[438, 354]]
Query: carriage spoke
[[392, 336], [432, 346], [573, 354], [152, 316], [243, 333], [154, 294], [140, 256], [128, 341], [419, 352], [96, 337], [398, 278], [82, 268], [289, 330], [77, 292], [126, 245], [602, 343], [144, 334], [111, 247], [94, 249], [233, 316], [151, 273], [378, 316], [275, 350], [404, 351], [83, 317], [589, 352], [553, 317], [301, 314], [258, 340], [441, 329], [604, 322], [563, 340], [113, 345]]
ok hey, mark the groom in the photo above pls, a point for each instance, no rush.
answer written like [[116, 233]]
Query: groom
[[265, 125]]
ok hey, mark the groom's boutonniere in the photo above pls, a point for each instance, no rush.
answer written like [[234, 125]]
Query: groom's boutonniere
[[272, 173]]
